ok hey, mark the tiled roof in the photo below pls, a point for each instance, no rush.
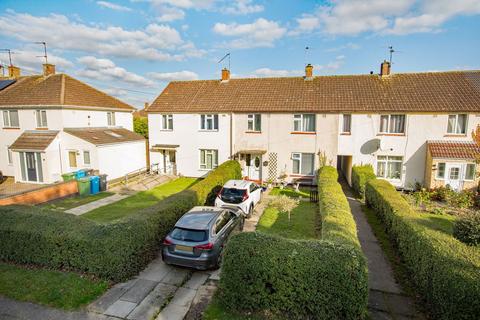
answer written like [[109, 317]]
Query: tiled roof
[[102, 135], [457, 91], [57, 90], [453, 149], [37, 140]]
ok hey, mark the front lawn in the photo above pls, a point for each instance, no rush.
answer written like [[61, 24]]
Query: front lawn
[[64, 290], [75, 201], [139, 201], [288, 191]]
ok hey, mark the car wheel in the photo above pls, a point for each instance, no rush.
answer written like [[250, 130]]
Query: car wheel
[[250, 211], [242, 224], [218, 264]]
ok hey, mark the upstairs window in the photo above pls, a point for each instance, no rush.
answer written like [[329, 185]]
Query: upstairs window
[[392, 123], [41, 116], [167, 122], [457, 124], [111, 119], [10, 119], [347, 123], [304, 122], [254, 122], [303, 163], [209, 122]]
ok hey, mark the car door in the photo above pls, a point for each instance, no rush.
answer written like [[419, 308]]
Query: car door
[[255, 193]]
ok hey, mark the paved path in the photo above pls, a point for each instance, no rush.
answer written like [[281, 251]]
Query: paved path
[[97, 204], [386, 298]]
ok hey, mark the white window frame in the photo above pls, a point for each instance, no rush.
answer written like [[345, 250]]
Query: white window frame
[[349, 116], [299, 118], [205, 118], [89, 158], [203, 158], [297, 156], [42, 121], [474, 172], [455, 126], [111, 119], [389, 119], [9, 156], [438, 170], [252, 122], [387, 161], [7, 119], [167, 122]]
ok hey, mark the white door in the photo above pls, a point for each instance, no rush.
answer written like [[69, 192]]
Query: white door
[[454, 175], [253, 165]]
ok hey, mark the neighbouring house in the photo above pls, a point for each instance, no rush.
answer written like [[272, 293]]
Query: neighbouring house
[[288, 126], [55, 124]]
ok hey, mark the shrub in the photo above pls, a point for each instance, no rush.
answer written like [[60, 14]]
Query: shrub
[[467, 228], [463, 199], [441, 193], [113, 251], [445, 271], [360, 176], [321, 279]]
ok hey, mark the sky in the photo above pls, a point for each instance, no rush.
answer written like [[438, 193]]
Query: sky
[[131, 49]]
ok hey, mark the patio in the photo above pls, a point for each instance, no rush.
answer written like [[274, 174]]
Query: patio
[[9, 188]]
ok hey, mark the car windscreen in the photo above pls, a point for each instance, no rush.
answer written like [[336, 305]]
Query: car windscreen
[[189, 235], [232, 195]]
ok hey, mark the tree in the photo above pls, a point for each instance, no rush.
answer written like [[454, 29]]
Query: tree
[[284, 204], [140, 126]]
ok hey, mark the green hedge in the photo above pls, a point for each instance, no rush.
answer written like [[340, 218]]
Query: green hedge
[[321, 279], [360, 176], [113, 251], [445, 271]]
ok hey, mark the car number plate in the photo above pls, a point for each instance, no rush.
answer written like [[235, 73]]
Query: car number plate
[[183, 248]]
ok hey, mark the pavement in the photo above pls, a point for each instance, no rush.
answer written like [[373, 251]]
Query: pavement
[[386, 301], [97, 204]]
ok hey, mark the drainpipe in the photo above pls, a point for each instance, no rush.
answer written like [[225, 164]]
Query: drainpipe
[[231, 135]]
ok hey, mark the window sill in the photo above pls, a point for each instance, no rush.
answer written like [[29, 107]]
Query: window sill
[[303, 132], [206, 170], [204, 130], [391, 134], [41, 128], [459, 135], [11, 128], [167, 130], [254, 132], [345, 133]]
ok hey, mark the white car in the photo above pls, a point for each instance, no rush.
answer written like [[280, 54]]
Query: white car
[[240, 193]]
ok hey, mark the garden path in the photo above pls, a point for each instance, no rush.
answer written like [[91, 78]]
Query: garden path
[[97, 204]]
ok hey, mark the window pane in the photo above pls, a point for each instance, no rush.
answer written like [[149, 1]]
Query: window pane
[[39, 122], [454, 173], [6, 123], [202, 122], [307, 163], [309, 122], [441, 170], [347, 118], [209, 160], [462, 124], [44, 118], [14, 118], [297, 122], [384, 123], [249, 124], [258, 122], [39, 166], [470, 172], [397, 124], [202, 157], [215, 125], [86, 157], [451, 123], [296, 166], [394, 170], [9, 156], [22, 166], [113, 118], [164, 122], [215, 159], [170, 122], [381, 169]]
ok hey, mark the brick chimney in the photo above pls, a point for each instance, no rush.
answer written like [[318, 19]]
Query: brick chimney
[[48, 69], [225, 74], [308, 72], [13, 72], [385, 68]]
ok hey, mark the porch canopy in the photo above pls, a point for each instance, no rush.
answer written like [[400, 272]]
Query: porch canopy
[[252, 151], [34, 140], [160, 147], [463, 150]]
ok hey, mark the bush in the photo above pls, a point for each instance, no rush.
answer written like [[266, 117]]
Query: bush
[[467, 228], [441, 193], [321, 279], [113, 251], [445, 271], [360, 176], [463, 199]]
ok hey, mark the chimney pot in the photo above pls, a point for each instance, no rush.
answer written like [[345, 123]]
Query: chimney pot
[[308, 72], [13, 72], [145, 105], [48, 69], [225, 74], [385, 68]]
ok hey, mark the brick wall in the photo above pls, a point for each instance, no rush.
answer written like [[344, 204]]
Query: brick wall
[[43, 195]]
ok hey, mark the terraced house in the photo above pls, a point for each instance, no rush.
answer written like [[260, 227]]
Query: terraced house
[[285, 127], [54, 124]]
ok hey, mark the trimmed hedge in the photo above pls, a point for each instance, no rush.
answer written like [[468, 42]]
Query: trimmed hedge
[[320, 279], [445, 271], [467, 228], [113, 251], [360, 176]]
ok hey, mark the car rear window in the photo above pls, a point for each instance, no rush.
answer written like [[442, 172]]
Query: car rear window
[[232, 195], [189, 235]]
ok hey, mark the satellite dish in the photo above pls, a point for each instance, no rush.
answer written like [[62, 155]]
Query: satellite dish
[[371, 146]]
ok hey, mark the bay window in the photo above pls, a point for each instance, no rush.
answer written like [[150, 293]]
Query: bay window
[[208, 159], [457, 124], [303, 163], [209, 122], [389, 167], [304, 122], [392, 123]]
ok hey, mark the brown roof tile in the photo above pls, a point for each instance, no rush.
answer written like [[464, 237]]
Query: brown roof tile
[[57, 90], [409, 92], [37, 140], [453, 149], [102, 136]]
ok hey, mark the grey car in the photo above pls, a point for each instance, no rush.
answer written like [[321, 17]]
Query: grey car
[[199, 236]]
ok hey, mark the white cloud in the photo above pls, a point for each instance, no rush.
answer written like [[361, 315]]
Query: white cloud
[[348, 46], [29, 60], [260, 33], [168, 14], [186, 4], [113, 6], [154, 42], [243, 7], [267, 72], [106, 70], [172, 76], [171, 10]]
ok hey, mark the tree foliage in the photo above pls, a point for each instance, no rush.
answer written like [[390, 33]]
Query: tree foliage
[[140, 126]]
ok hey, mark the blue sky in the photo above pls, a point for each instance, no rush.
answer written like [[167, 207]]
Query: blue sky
[[132, 48]]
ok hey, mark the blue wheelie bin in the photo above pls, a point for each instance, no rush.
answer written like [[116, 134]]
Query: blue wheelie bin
[[94, 184], [80, 174]]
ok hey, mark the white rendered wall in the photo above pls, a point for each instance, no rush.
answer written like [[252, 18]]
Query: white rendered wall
[[117, 160]]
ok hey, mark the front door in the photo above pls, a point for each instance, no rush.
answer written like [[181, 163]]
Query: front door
[[453, 176], [31, 166], [253, 164], [72, 158], [169, 161]]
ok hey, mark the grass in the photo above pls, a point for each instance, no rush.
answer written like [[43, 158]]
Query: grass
[[138, 201], [303, 192], [73, 202], [215, 311], [63, 290], [304, 222]]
